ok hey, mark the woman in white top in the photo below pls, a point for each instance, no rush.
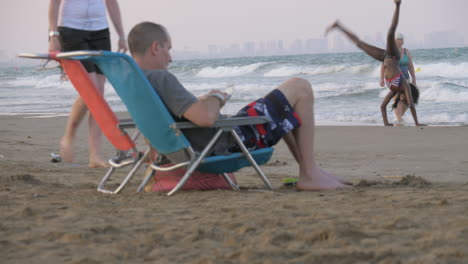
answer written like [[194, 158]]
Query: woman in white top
[[82, 25]]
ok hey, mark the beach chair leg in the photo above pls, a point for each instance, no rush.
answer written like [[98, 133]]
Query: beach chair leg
[[252, 160], [136, 165], [230, 182], [195, 164], [146, 180]]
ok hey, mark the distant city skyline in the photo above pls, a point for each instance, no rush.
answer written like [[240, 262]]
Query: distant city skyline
[[331, 44], [237, 25]]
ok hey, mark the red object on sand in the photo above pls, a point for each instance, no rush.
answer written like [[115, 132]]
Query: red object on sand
[[166, 181]]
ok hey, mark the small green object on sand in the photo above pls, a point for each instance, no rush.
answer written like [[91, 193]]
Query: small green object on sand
[[289, 181]]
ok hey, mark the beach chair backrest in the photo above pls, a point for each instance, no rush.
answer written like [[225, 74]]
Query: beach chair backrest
[[143, 103], [97, 105]]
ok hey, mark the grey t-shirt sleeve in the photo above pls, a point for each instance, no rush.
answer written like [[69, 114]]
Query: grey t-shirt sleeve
[[174, 95]]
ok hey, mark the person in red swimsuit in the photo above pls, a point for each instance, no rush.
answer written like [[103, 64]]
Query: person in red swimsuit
[[394, 79]]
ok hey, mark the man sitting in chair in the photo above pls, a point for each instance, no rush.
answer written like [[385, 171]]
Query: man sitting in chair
[[290, 107]]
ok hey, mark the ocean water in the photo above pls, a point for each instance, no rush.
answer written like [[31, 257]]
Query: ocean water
[[346, 85]]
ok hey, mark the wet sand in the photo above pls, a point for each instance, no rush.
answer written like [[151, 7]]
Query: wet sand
[[409, 204]]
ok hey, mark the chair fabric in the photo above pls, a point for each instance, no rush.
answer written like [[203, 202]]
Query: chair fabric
[[97, 105], [156, 123], [144, 105]]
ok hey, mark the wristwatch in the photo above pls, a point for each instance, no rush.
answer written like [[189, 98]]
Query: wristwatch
[[220, 96], [54, 34]]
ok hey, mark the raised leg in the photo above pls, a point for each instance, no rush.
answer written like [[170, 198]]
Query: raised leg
[[370, 50], [392, 48]]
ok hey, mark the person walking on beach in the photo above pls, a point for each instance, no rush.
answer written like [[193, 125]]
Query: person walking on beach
[[290, 107], [82, 25], [394, 78], [407, 67]]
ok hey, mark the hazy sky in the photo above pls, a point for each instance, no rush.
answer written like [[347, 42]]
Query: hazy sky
[[197, 23]]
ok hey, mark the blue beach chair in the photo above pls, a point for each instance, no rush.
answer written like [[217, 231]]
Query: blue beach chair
[[155, 122]]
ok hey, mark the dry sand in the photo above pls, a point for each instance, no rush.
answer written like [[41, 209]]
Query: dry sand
[[409, 204]]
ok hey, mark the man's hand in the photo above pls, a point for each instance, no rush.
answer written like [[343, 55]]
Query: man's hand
[[54, 44], [222, 96], [122, 45]]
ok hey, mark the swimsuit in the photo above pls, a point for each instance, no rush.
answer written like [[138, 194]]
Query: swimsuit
[[395, 81], [404, 61]]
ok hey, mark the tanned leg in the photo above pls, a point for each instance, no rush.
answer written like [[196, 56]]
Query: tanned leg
[[392, 48], [293, 148], [95, 133], [372, 51], [77, 113], [311, 178]]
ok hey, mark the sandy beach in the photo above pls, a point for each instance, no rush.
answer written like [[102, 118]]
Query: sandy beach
[[409, 204]]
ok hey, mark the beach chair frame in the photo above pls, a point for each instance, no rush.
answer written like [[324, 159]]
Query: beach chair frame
[[164, 134]]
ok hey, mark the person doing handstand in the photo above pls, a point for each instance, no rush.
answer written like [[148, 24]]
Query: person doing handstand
[[290, 107], [394, 78]]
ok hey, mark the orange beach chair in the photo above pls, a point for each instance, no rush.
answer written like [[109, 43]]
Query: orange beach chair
[[113, 128]]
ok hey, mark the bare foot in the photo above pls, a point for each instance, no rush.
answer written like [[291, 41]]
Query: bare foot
[[319, 182], [336, 177], [66, 150], [333, 26], [98, 164]]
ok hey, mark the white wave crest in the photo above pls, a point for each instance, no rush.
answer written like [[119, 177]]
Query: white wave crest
[[444, 95], [448, 70], [291, 70], [229, 71]]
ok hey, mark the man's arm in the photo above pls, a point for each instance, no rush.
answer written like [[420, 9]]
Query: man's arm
[[205, 111], [54, 44], [114, 14], [382, 83]]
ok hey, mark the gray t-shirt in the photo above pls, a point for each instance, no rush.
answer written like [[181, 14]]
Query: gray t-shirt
[[177, 99]]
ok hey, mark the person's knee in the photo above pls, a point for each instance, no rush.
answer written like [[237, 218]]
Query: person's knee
[[296, 89], [303, 88]]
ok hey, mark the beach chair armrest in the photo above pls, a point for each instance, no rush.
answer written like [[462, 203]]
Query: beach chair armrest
[[227, 122]]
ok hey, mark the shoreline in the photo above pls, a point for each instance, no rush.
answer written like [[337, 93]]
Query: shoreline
[[317, 123]]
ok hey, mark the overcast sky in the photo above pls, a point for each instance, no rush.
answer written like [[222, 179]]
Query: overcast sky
[[194, 24]]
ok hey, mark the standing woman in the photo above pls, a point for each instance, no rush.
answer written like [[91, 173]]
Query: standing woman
[[394, 78], [407, 67], [82, 25]]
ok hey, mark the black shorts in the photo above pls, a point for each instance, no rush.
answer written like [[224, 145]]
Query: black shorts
[[75, 39]]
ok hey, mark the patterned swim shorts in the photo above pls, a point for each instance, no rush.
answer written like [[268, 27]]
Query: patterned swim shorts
[[277, 108]]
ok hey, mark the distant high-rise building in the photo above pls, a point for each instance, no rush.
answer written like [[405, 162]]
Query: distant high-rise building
[[212, 51], [297, 47], [336, 44], [249, 48], [316, 45]]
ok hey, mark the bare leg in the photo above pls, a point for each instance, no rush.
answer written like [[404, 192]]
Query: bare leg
[[392, 48], [372, 51], [399, 111], [77, 113], [300, 95], [95, 133], [293, 148]]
